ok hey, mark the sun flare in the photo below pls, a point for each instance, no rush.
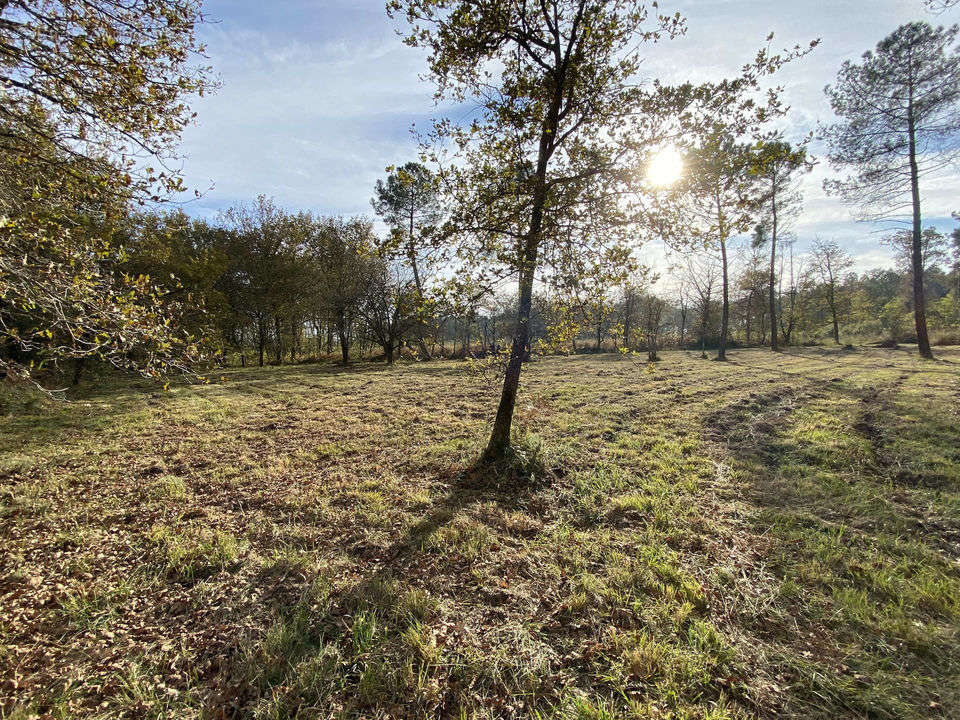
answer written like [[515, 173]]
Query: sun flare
[[665, 168]]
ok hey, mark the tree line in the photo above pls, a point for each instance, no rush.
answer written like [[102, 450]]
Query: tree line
[[271, 286]]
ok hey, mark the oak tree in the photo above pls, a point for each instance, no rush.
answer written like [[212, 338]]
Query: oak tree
[[93, 98]]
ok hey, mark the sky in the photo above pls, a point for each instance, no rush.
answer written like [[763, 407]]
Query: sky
[[318, 97]]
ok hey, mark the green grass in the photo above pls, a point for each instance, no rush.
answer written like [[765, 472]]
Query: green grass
[[774, 537]]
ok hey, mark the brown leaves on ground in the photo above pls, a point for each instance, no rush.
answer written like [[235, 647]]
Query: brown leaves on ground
[[692, 540]]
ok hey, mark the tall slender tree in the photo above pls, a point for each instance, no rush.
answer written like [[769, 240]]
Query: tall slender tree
[[830, 261], [408, 202], [899, 111], [955, 254], [718, 200], [777, 166]]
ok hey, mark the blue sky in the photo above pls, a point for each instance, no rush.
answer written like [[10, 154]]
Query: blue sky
[[319, 96]]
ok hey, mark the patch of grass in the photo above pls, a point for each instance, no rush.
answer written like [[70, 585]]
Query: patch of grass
[[96, 607], [769, 537], [193, 554], [463, 536], [171, 487]]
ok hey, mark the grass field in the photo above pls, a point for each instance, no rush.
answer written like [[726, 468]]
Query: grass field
[[777, 536]]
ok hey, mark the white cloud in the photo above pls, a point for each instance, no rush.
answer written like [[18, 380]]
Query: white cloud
[[318, 97]]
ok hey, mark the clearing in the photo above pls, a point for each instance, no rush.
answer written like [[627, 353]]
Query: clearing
[[777, 536]]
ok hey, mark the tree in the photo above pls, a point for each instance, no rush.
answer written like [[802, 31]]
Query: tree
[[955, 254], [789, 313], [536, 159], [830, 262], [408, 202], [652, 309], [390, 307], [900, 121], [100, 78], [719, 201], [267, 271], [629, 302], [550, 160], [589, 282], [186, 258], [682, 310], [893, 318], [342, 250], [564, 67], [934, 249], [752, 283], [64, 294], [92, 96], [702, 274], [777, 166]]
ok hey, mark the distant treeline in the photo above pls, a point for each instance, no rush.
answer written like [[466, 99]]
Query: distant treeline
[[266, 286]]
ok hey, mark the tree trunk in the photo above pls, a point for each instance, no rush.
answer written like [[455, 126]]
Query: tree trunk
[[261, 338], [725, 314], [773, 274], [78, 364], [500, 435], [342, 334], [919, 298], [468, 341], [748, 313], [833, 313], [627, 316], [412, 256], [278, 338]]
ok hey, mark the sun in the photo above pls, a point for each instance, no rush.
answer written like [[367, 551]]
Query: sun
[[665, 168]]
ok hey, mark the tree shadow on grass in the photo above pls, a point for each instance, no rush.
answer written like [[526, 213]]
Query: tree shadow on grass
[[851, 527], [370, 625], [510, 485]]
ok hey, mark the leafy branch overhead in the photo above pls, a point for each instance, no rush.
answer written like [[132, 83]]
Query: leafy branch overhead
[[93, 99]]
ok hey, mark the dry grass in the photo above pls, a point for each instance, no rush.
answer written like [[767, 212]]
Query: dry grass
[[777, 536]]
